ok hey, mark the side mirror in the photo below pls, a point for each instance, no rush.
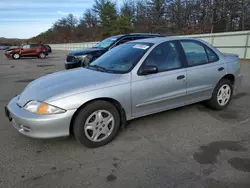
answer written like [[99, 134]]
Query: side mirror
[[148, 69]]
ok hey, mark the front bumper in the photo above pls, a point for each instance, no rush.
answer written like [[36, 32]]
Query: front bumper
[[8, 54], [39, 126], [72, 65]]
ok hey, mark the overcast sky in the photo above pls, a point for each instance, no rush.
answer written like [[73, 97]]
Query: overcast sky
[[28, 18]]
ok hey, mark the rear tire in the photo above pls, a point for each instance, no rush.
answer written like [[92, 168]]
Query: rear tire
[[42, 55], [222, 95], [97, 118], [16, 56]]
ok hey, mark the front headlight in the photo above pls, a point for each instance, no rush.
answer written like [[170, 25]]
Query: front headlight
[[81, 56], [42, 108]]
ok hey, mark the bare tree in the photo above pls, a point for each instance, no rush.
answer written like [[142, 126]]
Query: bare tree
[[171, 17]]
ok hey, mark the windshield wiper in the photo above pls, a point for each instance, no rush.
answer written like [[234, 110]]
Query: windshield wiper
[[102, 69]]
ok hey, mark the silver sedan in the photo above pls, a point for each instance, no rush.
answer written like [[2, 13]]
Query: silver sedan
[[132, 80]]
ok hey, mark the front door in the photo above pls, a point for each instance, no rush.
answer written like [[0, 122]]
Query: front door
[[164, 90], [203, 72], [25, 50]]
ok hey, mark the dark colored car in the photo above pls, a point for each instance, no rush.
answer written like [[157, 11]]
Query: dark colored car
[[4, 47], [80, 58], [27, 50], [48, 48]]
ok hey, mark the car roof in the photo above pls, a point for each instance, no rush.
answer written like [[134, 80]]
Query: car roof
[[30, 44], [139, 34], [159, 40], [145, 34]]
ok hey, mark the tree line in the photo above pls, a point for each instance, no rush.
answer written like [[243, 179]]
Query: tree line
[[167, 17]]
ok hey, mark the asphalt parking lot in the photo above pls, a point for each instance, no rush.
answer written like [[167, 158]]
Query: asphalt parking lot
[[187, 147]]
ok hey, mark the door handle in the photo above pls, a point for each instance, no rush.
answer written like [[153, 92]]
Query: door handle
[[180, 77], [221, 69]]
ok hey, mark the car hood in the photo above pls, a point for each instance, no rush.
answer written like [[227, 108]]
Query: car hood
[[65, 83], [86, 51], [11, 49]]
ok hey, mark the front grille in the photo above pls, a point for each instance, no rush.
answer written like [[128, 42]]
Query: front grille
[[70, 58]]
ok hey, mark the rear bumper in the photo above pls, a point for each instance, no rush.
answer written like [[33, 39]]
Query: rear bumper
[[238, 82], [38, 126]]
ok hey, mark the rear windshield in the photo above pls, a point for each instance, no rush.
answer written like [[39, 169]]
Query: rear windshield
[[122, 58]]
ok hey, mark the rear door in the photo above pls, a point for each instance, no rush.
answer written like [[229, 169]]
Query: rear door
[[34, 49], [204, 70]]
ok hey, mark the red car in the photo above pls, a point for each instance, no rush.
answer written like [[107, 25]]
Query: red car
[[27, 50]]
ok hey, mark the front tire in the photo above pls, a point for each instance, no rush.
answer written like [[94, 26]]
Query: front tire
[[96, 124], [16, 56], [222, 95]]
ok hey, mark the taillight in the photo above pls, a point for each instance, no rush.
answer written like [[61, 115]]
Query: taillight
[[42, 48]]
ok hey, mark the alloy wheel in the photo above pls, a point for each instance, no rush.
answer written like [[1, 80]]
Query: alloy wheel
[[42, 55], [99, 125], [224, 95], [16, 56]]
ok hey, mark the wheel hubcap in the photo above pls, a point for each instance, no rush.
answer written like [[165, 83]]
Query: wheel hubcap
[[99, 125], [224, 95], [42, 55], [16, 56]]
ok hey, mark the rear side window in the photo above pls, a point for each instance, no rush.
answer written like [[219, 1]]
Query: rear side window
[[212, 56], [34, 45], [195, 53]]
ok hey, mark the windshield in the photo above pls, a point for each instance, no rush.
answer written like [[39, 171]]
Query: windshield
[[106, 43], [121, 59]]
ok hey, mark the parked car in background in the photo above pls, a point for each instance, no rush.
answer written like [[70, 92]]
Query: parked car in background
[[80, 58], [48, 48], [27, 50], [4, 47], [135, 79]]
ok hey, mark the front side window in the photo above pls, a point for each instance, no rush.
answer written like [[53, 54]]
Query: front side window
[[120, 59], [195, 53], [165, 57], [107, 42], [143, 37], [26, 46], [124, 40]]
